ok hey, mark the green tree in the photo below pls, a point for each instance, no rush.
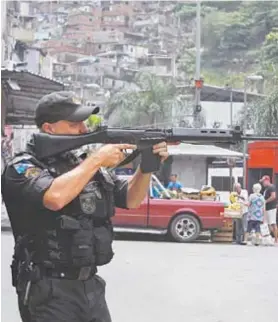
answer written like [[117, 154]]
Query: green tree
[[262, 115], [186, 63], [269, 52], [151, 104], [225, 39], [186, 11], [236, 39]]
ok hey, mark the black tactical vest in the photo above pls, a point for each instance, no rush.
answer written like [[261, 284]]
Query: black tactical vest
[[81, 233]]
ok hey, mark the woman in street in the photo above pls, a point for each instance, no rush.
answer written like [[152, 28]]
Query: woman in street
[[256, 212]]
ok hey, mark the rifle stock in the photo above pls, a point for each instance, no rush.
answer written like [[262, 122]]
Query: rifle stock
[[48, 145]]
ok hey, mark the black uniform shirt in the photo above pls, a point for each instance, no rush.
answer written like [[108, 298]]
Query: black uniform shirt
[[25, 184], [267, 193]]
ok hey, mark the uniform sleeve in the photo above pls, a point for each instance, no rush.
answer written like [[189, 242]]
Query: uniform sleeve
[[28, 181], [120, 191]]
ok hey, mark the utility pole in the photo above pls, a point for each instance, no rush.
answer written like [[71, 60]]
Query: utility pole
[[231, 125], [245, 123], [198, 81]]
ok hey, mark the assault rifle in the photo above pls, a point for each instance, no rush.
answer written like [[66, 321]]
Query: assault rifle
[[48, 145]]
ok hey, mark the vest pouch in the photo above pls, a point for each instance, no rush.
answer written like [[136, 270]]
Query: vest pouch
[[103, 238], [79, 237], [108, 185], [82, 250], [69, 223]]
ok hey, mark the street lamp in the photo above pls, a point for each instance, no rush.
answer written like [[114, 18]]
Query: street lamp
[[247, 78]]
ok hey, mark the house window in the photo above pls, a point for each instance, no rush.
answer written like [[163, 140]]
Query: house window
[[240, 180], [221, 183]]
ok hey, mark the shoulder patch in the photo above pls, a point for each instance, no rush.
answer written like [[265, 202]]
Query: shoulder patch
[[32, 172], [22, 167], [28, 169]]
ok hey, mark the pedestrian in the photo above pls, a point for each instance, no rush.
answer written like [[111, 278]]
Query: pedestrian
[[241, 223], [60, 211], [270, 205], [256, 212], [174, 184]]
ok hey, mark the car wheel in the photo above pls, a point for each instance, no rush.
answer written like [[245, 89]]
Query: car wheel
[[184, 228]]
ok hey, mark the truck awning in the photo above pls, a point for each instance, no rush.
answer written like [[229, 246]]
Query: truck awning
[[203, 150]]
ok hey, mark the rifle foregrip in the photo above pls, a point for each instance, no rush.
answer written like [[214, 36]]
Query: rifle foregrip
[[149, 162]]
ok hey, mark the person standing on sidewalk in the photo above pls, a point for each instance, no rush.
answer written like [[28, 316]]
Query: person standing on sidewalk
[[241, 223], [270, 205], [256, 213]]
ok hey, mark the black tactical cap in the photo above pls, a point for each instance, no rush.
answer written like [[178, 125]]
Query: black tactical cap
[[62, 105]]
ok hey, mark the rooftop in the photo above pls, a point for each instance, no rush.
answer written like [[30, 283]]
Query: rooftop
[[221, 94], [20, 92]]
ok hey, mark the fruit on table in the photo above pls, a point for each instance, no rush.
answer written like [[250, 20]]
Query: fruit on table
[[208, 191], [233, 197], [234, 206]]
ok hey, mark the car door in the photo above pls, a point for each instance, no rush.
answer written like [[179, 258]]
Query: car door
[[132, 217], [159, 213]]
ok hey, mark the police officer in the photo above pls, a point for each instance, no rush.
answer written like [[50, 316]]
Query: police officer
[[60, 211]]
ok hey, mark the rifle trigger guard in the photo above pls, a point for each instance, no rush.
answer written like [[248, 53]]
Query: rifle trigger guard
[[129, 158]]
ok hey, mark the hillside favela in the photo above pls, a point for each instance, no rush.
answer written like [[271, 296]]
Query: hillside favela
[[194, 229]]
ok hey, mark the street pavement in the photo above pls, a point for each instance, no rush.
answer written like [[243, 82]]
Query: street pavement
[[157, 281]]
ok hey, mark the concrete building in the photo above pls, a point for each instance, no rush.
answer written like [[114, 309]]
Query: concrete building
[[217, 107], [191, 162]]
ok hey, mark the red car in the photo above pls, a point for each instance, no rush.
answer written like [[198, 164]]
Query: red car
[[183, 220]]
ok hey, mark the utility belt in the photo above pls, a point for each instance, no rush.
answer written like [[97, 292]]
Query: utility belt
[[34, 273], [82, 273]]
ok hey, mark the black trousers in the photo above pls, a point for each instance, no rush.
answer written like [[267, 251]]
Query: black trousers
[[59, 300]]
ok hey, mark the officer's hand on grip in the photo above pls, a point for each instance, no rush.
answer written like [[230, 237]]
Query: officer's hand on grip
[[161, 150], [153, 156], [112, 154]]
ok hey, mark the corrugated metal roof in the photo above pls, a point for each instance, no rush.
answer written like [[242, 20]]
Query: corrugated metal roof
[[20, 106], [221, 94], [8, 72], [203, 150]]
